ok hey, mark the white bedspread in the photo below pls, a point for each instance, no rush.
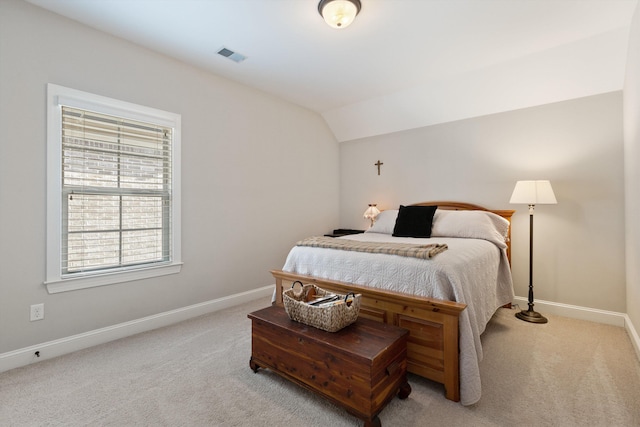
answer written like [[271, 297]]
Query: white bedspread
[[472, 271]]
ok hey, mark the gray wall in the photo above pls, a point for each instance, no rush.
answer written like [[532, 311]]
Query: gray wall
[[578, 145], [252, 168], [632, 170]]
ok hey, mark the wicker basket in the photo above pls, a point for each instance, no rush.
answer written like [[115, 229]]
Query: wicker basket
[[330, 318]]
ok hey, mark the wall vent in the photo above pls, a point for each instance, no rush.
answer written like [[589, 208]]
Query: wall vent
[[228, 53]]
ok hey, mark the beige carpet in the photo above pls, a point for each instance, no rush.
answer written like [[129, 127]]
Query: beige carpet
[[196, 373]]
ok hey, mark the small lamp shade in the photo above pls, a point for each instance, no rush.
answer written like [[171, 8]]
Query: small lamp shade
[[371, 213], [339, 13], [533, 193]]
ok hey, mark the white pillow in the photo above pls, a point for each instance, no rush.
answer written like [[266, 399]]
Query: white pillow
[[471, 224], [385, 222]]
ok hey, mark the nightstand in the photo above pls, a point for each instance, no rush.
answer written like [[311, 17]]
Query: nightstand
[[343, 232]]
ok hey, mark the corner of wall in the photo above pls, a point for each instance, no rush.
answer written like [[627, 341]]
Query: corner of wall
[[631, 124]]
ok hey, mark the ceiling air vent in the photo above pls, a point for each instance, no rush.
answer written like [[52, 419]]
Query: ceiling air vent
[[234, 56]]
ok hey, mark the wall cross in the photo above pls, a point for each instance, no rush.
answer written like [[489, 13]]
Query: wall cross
[[378, 165]]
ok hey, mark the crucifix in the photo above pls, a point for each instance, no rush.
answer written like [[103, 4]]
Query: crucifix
[[378, 165]]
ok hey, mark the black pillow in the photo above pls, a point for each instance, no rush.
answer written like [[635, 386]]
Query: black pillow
[[414, 221]]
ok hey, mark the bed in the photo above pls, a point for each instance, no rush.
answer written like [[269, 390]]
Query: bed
[[444, 301]]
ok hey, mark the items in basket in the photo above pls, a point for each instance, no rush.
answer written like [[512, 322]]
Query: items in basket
[[331, 300]]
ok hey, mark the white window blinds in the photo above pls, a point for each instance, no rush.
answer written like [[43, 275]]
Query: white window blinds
[[116, 193]]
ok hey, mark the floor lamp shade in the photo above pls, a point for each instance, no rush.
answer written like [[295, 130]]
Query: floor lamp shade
[[532, 193]]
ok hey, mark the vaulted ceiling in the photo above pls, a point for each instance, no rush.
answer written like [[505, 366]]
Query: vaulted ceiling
[[402, 64]]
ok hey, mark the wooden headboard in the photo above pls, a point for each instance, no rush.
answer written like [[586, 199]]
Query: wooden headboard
[[461, 206]]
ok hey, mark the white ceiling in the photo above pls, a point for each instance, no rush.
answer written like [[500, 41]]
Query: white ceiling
[[402, 64]]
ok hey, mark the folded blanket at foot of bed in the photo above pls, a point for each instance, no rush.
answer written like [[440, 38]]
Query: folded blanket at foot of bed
[[400, 249]]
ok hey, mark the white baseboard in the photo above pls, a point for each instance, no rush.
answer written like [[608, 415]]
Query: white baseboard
[[574, 311], [585, 313], [48, 350], [633, 335]]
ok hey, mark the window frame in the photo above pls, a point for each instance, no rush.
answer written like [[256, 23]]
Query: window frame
[[55, 281]]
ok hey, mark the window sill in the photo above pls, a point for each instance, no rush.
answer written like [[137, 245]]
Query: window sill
[[76, 283]]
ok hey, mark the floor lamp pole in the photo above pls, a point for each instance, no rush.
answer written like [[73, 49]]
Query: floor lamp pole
[[530, 315]]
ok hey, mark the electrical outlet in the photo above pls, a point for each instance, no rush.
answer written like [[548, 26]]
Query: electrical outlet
[[37, 312]]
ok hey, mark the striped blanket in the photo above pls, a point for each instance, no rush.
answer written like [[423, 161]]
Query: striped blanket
[[401, 249]]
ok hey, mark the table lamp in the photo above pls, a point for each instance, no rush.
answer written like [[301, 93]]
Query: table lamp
[[371, 213]]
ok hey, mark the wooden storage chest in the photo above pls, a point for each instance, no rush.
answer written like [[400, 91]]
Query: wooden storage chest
[[360, 368]]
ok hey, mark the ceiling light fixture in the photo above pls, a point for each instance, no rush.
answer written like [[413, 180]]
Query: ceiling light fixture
[[339, 13]]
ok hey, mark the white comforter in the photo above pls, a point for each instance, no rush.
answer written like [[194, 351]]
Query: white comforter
[[472, 271]]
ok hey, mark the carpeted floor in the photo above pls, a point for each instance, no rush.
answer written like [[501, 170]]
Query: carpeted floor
[[196, 373]]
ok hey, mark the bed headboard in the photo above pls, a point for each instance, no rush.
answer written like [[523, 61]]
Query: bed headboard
[[461, 206]]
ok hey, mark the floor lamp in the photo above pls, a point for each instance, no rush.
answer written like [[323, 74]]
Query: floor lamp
[[532, 193]]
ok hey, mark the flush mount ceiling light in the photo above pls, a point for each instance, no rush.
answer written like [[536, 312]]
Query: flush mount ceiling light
[[339, 13]]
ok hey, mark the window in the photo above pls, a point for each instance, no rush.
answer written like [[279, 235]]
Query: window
[[113, 191]]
